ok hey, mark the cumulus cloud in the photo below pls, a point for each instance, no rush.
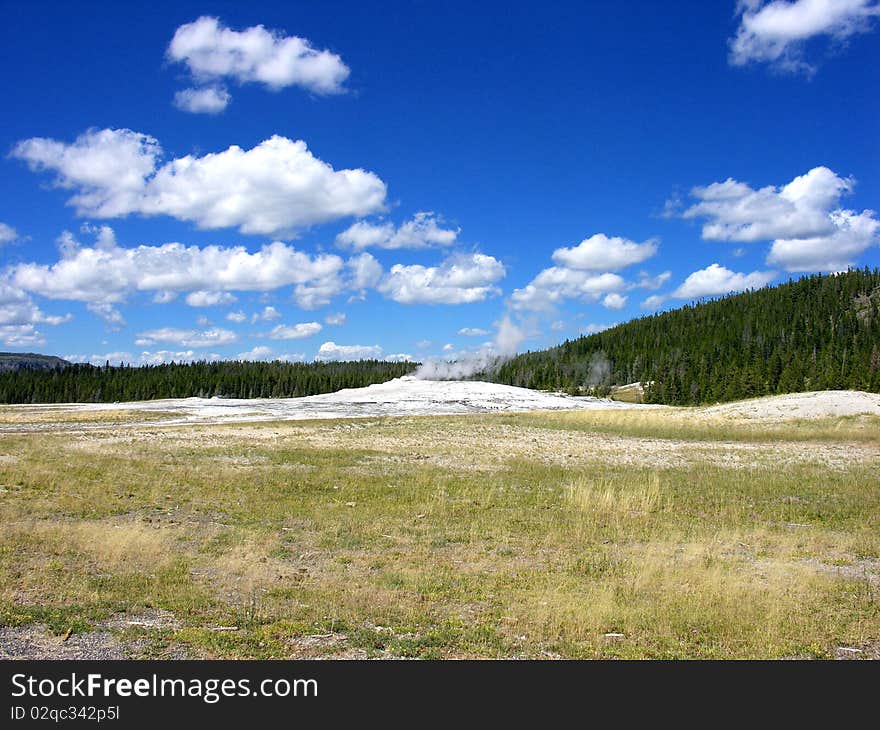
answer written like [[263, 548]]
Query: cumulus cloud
[[275, 188], [716, 280], [776, 32], [332, 351], [187, 338], [337, 319], [423, 231], [108, 168], [158, 357], [473, 332], [653, 302], [209, 298], [206, 100], [237, 317], [809, 229], [7, 234], [296, 331], [614, 301], [366, 271], [852, 235], [212, 51], [594, 328], [602, 253], [19, 317], [261, 352], [108, 313], [114, 358], [646, 281], [21, 335], [460, 278], [558, 283], [109, 274], [268, 314]]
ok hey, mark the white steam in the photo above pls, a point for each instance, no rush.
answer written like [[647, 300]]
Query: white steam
[[507, 340], [600, 370]]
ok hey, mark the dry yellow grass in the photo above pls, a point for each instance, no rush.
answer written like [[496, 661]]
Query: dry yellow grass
[[577, 535]]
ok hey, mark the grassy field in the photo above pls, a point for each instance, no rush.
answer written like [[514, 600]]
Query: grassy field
[[585, 535]]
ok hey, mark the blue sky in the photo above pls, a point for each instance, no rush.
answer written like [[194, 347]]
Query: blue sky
[[334, 180]]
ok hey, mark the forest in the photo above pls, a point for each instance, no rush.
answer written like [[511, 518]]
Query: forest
[[819, 332], [229, 379]]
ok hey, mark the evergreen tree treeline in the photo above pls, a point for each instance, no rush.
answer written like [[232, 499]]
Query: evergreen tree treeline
[[230, 379], [815, 333]]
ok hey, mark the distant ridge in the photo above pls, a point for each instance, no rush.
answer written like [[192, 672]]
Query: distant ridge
[[30, 361], [819, 332]]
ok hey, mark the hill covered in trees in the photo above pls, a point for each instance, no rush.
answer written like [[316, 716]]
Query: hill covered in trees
[[815, 333], [232, 379], [29, 361]]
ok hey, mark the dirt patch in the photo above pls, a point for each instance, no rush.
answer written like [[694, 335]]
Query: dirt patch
[[37, 642]]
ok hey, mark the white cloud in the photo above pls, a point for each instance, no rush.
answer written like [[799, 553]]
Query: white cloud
[[211, 52], [853, 234], [398, 357], [261, 352], [108, 313], [337, 319], [115, 358], [473, 332], [776, 32], [268, 314], [187, 338], [424, 344], [7, 233], [332, 351], [593, 328], [109, 275], [448, 347], [203, 321], [108, 167], [274, 188], [646, 281], [715, 280], [21, 335], [296, 331], [614, 301], [19, 316], [423, 231], [209, 298], [558, 283], [206, 100], [458, 279], [366, 271], [653, 302], [164, 297], [804, 219], [158, 357], [736, 212], [601, 253], [237, 317]]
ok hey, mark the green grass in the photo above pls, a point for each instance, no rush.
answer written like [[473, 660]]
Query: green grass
[[437, 538]]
